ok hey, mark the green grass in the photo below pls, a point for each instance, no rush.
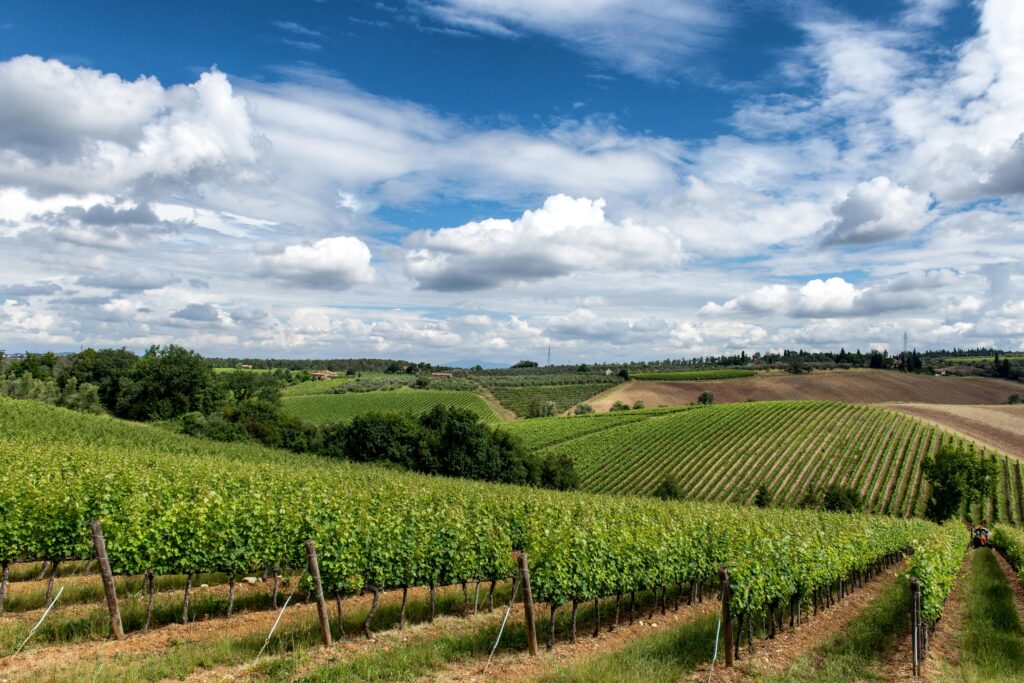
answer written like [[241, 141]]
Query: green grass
[[293, 642], [334, 407], [856, 652], [692, 375], [991, 640], [668, 655], [21, 598]]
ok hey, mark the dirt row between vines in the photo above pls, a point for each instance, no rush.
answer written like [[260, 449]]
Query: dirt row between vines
[[52, 657], [776, 655], [998, 427]]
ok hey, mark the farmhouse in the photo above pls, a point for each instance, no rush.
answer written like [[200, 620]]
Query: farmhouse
[[445, 375], [323, 374]]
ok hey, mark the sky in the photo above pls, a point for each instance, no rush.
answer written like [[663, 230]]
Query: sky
[[484, 179]]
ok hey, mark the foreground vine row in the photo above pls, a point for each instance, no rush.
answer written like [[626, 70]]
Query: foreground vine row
[[176, 505]]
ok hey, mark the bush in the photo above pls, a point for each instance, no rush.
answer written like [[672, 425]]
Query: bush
[[840, 498], [706, 398], [1015, 399], [669, 489], [584, 409], [559, 472], [763, 498], [617, 406], [638, 405]]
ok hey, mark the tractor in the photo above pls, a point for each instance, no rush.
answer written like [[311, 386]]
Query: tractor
[[979, 537]]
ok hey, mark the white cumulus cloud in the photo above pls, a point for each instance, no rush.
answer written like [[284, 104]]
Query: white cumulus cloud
[[565, 235]]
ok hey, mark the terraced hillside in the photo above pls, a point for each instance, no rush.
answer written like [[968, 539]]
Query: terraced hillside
[[724, 452], [334, 407], [852, 386]]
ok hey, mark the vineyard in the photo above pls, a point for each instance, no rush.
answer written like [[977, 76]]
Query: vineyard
[[692, 375], [524, 394], [173, 505], [724, 453], [320, 408]]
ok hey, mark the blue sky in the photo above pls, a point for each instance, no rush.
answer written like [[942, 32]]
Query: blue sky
[[440, 179]]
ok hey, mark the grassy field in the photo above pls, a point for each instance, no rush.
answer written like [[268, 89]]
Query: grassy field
[[723, 453], [334, 407], [992, 641]]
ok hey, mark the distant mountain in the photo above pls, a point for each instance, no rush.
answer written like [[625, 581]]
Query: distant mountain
[[485, 364]]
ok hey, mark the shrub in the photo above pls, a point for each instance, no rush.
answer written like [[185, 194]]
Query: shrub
[[1015, 399], [669, 489], [618, 405], [763, 498], [706, 398], [639, 405], [584, 408], [840, 498]]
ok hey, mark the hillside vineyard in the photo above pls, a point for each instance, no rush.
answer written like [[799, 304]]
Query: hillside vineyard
[[177, 505], [723, 453]]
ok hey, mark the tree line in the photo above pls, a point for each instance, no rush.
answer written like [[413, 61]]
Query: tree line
[[178, 388]]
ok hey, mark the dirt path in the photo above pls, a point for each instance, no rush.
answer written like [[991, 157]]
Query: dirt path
[[775, 656], [36, 660], [492, 400], [944, 646], [851, 386], [998, 427], [520, 666]]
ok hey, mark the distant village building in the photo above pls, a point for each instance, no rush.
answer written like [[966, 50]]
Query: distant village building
[[323, 374], [245, 366], [445, 375]]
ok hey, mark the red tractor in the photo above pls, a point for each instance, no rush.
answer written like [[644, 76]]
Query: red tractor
[[979, 537]]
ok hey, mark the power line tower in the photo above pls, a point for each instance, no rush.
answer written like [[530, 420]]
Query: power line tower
[[904, 343], [549, 355]]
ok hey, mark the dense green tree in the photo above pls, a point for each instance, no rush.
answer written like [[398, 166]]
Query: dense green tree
[[839, 498], [168, 382], [106, 369], [763, 497], [243, 385], [559, 472], [706, 398], [669, 489], [383, 437], [956, 475]]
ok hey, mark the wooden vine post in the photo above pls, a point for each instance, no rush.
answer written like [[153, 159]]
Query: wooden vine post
[[723, 574], [321, 604], [108, 579], [531, 622], [915, 623]]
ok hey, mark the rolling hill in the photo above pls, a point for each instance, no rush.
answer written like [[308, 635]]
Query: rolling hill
[[321, 408], [724, 452], [851, 386]]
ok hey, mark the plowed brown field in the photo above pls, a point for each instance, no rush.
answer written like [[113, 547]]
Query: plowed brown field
[[999, 427], [853, 386]]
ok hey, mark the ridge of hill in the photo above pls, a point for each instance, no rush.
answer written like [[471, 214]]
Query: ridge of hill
[[852, 386]]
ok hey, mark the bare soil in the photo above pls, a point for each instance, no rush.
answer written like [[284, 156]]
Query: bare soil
[[852, 386], [998, 427], [775, 656]]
